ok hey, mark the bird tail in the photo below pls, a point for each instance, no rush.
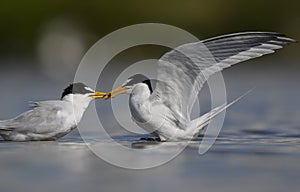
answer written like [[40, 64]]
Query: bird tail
[[198, 124], [4, 127]]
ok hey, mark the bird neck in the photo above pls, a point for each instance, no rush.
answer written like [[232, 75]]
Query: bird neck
[[139, 103], [79, 103], [140, 93]]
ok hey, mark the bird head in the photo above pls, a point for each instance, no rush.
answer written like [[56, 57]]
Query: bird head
[[128, 86], [80, 92]]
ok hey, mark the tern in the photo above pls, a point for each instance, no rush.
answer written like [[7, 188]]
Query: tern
[[50, 120], [165, 111]]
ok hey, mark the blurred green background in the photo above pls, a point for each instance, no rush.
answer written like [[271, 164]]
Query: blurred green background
[[24, 24]]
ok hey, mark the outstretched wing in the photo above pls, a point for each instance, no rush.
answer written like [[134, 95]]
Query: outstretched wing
[[183, 71]]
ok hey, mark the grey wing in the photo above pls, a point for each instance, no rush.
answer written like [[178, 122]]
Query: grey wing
[[45, 104], [183, 71], [177, 73], [41, 119]]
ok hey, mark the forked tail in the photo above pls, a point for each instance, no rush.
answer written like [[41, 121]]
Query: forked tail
[[198, 124], [4, 127]]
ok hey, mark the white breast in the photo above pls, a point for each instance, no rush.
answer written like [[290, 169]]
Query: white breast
[[139, 103]]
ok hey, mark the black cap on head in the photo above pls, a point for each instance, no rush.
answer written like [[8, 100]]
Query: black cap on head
[[139, 78], [76, 88]]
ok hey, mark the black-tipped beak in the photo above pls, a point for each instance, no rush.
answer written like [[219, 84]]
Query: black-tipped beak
[[100, 95], [117, 91]]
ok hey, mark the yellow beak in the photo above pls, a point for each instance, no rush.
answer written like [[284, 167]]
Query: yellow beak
[[115, 92], [100, 95]]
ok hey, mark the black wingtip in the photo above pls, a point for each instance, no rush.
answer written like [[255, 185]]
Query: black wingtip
[[275, 35], [286, 39]]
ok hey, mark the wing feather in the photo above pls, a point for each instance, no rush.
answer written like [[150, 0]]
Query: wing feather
[[183, 70], [42, 118]]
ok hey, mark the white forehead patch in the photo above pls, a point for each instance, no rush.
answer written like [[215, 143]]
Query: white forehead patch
[[89, 89], [127, 81]]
